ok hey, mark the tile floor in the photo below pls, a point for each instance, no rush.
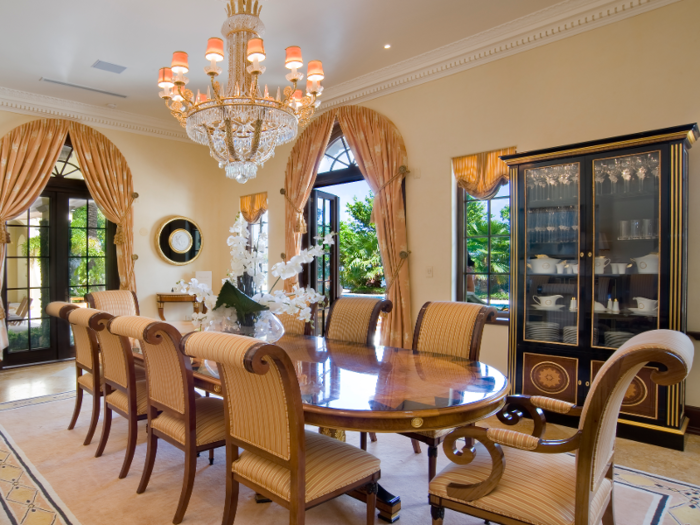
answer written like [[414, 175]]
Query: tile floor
[[54, 378]]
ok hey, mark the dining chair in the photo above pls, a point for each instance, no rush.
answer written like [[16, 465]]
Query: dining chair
[[450, 329], [87, 363], [115, 302], [354, 320], [123, 393], [516, 478], [295, 326], [295, 468], [175, 414], [21, 313]]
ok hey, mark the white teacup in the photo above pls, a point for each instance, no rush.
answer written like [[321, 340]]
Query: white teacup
[[560, 266], [619, 268], [546, 300], [600, 264], [573, 268], [645, 304]]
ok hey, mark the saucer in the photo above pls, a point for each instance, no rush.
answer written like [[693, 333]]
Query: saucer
[[645, 313], [551, 308]]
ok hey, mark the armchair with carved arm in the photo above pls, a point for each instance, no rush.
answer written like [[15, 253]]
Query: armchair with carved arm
[[514, 478]]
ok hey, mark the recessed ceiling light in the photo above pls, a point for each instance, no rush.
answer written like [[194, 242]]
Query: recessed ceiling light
[[112, 106], [387, 46]]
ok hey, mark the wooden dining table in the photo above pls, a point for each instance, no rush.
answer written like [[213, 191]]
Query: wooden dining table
[[347, 386]]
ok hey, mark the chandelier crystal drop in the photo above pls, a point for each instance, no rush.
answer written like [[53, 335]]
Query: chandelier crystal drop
[[241, 124]]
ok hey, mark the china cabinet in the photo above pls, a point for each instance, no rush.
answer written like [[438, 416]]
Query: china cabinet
[[599, 255]]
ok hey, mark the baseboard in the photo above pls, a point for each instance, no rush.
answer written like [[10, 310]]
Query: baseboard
[[693, 414]]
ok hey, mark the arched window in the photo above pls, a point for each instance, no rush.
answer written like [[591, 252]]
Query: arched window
[[338, 156], [67, 165]]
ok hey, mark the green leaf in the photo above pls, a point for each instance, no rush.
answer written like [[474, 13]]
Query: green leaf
[[232, 297]]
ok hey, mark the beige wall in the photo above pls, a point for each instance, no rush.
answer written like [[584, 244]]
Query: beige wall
[[635, 75], [172, 178]]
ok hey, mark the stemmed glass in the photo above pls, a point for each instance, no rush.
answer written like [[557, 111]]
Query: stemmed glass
[[642, 171], [626, 172], [614, 176], [600, 173], [551, 177]]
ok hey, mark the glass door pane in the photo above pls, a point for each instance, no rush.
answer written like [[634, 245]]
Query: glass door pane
[[87, 257], [626, 248], [28, 280], [552, 197]]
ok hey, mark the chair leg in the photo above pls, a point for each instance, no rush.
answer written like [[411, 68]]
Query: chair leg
[[437, 513], [94, 418], [416, 446], [609, 516], [371, 490], [106, 425], [130, 446], [363, 440], [297, 513], [231, 500], [187, 484], [211, 456], [373, 437], [432, 462], [76, 410], [150, 461]]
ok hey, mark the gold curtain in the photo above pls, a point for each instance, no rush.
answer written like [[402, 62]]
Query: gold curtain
[[381, 156], [28, 154], [109, 181], [299, 179], [253, 206], [481, 175]]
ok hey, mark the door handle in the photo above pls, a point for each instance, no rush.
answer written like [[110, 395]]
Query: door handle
[[582, 255], [590, 254]]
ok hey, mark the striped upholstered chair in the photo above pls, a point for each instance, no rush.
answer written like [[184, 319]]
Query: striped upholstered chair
[[518, 478], [295, 326], [123, 393], [354, 320], [450, 329], [87, 363], [115, 302], [280, 460], [175, 414]]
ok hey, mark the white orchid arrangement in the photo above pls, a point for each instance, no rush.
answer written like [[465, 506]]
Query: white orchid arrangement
[[247, 263]]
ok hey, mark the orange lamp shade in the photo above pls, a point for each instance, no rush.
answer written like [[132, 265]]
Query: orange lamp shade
[[165, 77], [256, 49], [176, 96], [215, 49], [201, 97], [315, 71], [293, 59], [179, 65], [297, 96]]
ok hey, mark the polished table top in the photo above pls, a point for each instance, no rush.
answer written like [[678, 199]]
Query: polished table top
[[359, 387]]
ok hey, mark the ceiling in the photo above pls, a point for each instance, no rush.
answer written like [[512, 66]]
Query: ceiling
[[61, 40]]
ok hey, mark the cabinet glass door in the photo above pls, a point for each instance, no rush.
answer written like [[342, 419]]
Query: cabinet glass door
[[626, 247], [552, 224]]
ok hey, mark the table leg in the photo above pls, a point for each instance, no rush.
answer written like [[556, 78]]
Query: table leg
[[160, 310], [388, 505]]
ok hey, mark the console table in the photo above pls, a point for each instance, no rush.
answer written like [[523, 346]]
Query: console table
[[177, 297]]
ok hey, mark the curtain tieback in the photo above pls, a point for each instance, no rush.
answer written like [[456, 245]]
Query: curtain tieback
[[403, 170], [404, 257], [5, 237], [119, 237], [299, 223]]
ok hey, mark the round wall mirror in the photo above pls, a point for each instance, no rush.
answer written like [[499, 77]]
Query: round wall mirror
[[179, 240]]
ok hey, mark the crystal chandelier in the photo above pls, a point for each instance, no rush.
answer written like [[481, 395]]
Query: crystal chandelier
[[241, 125]]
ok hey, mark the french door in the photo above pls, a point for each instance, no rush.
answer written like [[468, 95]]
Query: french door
[[322, 216], [60, 249]]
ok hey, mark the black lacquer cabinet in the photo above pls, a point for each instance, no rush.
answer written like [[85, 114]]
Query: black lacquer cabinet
[[598, 250]]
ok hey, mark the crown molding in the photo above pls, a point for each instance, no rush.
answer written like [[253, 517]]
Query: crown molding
[[52, 107], [562, 20]]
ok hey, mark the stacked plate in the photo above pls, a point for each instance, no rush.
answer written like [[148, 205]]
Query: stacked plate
[[617, 339], [570, 333], [541, 331]]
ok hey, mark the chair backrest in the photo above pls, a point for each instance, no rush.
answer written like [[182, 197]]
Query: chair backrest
[[261, 393], [86, 347], [117, 356], [451, 328], [168, 371], [23, 307], [602, 407], [354, 319], [295, 326], [115, 302]]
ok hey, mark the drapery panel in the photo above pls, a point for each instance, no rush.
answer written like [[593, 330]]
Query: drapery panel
[[481, 175], [381, 156], [28, 154], [253, 206], [299, 179], [109, 181]]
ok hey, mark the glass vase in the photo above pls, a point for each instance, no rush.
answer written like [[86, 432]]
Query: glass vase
[[264, 326]]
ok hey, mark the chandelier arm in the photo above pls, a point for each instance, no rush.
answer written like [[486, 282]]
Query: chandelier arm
[[212, 148], [229, 140], [217, 95]]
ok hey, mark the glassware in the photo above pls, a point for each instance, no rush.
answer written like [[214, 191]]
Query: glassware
[[647, 229], [626, 172], [624, 230], [635, 229]]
